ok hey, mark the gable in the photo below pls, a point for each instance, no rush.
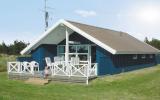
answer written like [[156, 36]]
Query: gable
[[113, 41]]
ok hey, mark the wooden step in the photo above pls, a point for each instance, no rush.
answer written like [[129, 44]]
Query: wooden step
[[69, 79], [38, 76], [37, 81]]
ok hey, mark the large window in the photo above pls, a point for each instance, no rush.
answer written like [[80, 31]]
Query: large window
[[61, 49], [80, 51]]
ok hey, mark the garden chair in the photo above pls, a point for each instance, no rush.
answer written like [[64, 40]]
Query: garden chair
[[48, 62]]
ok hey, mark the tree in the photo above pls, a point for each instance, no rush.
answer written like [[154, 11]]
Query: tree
[[4, 48], [14, 48], [18, 46], [146, 40], [154, 42]]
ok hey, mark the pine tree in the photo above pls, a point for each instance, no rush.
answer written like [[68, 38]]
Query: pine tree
[[146, 40]]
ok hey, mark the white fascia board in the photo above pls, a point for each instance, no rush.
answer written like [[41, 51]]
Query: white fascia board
[[158, 51], [135, 52], [106, 47], [28, 48]]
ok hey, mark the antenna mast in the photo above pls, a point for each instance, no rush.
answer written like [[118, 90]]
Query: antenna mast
[[46, 15]]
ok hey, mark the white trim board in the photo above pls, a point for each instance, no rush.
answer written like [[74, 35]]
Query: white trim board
[[30, 47], [35, 44], [27, 49], [89, 37]]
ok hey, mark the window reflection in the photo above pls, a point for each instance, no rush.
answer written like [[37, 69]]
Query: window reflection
[[61, 49], [72, 49], [83, 57], [82, 49]]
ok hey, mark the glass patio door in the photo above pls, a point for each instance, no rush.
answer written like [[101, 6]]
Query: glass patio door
[[79, 51]]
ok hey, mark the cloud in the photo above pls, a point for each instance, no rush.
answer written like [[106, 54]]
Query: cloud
[[85, 13]]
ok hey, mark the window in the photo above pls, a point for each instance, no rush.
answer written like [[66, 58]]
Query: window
[[61, 49], [71, 55], [81, 51], [151, 56], [135, 57], [72, 49], [143, 56], [83, 57]]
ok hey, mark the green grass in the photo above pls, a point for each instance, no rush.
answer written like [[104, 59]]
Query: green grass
[[3, 61], [141, 84]]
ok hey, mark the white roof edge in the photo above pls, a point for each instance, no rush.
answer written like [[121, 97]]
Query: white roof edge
[[137, 52], [106, 47], [158, 51], [152, 47], [76, 29], [27, 49]]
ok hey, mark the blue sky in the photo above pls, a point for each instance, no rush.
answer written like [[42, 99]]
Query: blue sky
[[24, 20]]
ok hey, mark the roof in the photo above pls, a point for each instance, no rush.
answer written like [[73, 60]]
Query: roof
[[115, 42]]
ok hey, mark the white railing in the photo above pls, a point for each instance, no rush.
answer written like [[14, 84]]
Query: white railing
[[79, 70], [59, 69], [14, 67], [93, 69], [22, 67]]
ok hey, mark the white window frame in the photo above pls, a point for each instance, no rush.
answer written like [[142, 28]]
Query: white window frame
[[150, 56], [143, 56], [135, 57], [76, 53]]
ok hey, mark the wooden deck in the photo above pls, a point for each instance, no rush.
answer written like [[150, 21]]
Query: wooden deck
[[72, 79], [77, 73]]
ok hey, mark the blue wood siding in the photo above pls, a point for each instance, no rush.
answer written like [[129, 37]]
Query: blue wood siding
[[158, 58], [43, 51], [21, 59], [107, 63], [112, 64]]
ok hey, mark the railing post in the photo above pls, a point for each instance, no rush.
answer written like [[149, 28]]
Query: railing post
[[96, 69], [87, 74], [19, 67], [52, 69], [69, 70], [87, 81]]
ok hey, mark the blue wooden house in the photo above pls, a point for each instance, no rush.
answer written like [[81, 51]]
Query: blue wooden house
[[112, 51]]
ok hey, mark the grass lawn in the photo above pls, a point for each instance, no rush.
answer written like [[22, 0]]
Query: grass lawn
[[141, 84]]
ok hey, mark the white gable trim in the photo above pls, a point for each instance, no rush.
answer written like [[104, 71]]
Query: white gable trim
[[106, 47], [74, 28], [28, 48]]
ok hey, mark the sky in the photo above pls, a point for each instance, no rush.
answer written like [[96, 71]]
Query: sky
[[24, 19]]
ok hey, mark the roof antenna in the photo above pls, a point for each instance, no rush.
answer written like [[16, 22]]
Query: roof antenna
[[121, 34], [46, 15]]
